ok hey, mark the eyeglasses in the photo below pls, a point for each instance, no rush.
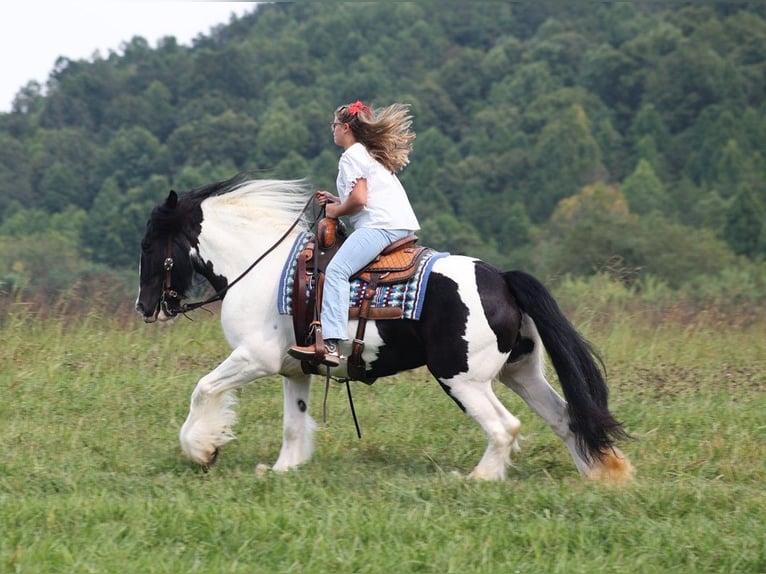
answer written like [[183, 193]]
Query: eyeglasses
[[336, 124]]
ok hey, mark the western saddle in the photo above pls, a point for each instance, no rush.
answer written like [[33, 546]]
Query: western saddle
[[396, 264]]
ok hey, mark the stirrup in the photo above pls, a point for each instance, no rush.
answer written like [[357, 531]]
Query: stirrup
[[328, 357]]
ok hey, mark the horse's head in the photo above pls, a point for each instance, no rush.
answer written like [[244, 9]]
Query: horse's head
[[166, 270]]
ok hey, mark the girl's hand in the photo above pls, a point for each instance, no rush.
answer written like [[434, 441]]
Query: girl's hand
[[325, 197]]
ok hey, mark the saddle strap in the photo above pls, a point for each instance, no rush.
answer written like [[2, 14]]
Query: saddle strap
[[317, 324], [356, 366], [303, 307]]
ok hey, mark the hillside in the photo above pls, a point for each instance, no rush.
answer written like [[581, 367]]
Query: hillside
[[625, 137]]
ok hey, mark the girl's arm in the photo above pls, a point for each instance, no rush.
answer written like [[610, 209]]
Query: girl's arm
[[354, 203]]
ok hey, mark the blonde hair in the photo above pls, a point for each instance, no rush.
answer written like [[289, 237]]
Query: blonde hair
[[385, 132]]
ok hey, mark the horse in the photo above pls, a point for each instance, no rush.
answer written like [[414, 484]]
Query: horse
[[478, 325]]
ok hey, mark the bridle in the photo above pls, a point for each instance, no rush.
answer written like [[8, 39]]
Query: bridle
[[168, 291]]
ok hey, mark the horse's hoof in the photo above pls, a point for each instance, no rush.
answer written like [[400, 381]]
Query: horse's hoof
[[211, 460], [261, 470]]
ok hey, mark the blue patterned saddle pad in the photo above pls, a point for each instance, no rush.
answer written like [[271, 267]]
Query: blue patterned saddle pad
[[407, 296]]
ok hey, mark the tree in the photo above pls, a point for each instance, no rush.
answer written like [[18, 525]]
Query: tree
[[562, 51], [589, 232], [279, 134], [230, 69], [745, 228], [39, 253], [458, 76], [45, 263], [118, 219], [292, 166], [678, 254], [496, 219], [229, 139], [29, 99], [598, 200], [101, 235], [644, 191], [63, 167], [15, 174], [650, 138], [517, 107], [566, 158], [685, 82], [733, 166], [133, 156], [529, 83], [25, 222], [594, 232], [152, 110], [59, 187], [447, 233]]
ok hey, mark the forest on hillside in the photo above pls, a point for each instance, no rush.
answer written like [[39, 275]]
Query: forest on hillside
[[564, 138]]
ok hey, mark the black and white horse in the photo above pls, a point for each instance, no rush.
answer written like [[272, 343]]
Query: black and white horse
[[478, 325]]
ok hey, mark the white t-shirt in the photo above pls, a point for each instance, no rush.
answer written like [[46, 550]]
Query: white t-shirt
[[387, 204]]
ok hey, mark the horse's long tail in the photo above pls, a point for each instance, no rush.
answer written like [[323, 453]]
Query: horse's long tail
[[579, 368]]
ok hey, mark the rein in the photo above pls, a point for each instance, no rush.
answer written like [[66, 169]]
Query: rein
[[167, 291]]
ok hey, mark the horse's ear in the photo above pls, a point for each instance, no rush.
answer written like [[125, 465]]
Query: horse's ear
[[172, 200]]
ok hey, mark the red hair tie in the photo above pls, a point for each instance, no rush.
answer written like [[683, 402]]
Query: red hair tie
[[357, 107]]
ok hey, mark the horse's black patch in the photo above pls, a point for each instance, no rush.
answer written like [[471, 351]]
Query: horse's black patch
[[206, 269], [499, 306], [435, 340], [302, 405], [402, 348], [448, 390], [176, 224], [444, 319]]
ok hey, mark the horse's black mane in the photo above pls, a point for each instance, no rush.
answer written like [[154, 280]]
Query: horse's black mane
[[171, 217], [214, 189]]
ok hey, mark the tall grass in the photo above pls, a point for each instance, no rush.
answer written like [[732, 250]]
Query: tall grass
[[92, 480]]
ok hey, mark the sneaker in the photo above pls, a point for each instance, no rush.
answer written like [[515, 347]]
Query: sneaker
[[331, 355]]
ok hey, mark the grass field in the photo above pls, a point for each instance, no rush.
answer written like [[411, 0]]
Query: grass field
[[92, 480]]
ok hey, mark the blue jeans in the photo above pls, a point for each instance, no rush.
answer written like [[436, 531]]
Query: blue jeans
[[361, 247]]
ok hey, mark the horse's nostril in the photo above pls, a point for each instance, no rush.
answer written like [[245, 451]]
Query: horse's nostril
[[139, 307]]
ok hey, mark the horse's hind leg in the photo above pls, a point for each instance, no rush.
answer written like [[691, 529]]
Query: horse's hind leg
[[526, 378], [298, 426], [479, 402]]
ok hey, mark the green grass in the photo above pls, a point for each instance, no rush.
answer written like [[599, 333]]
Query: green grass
[[92, 480]]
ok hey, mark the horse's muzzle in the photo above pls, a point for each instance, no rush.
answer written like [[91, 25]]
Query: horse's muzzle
[[148, 317]]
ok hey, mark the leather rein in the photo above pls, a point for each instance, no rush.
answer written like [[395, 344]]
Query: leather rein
[[169, 292]]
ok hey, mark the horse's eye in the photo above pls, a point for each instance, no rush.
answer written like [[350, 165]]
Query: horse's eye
[[145, 245]]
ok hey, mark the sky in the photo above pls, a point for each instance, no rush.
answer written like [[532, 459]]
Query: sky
[[34, 34]]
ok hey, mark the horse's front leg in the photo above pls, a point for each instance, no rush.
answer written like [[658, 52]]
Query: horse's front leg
[[298, 426], [209, 424]]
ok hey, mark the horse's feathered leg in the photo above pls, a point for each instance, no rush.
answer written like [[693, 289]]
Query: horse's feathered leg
[[527, 380], [298, 438], [478, 400], [526, 377], [209, 424]]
